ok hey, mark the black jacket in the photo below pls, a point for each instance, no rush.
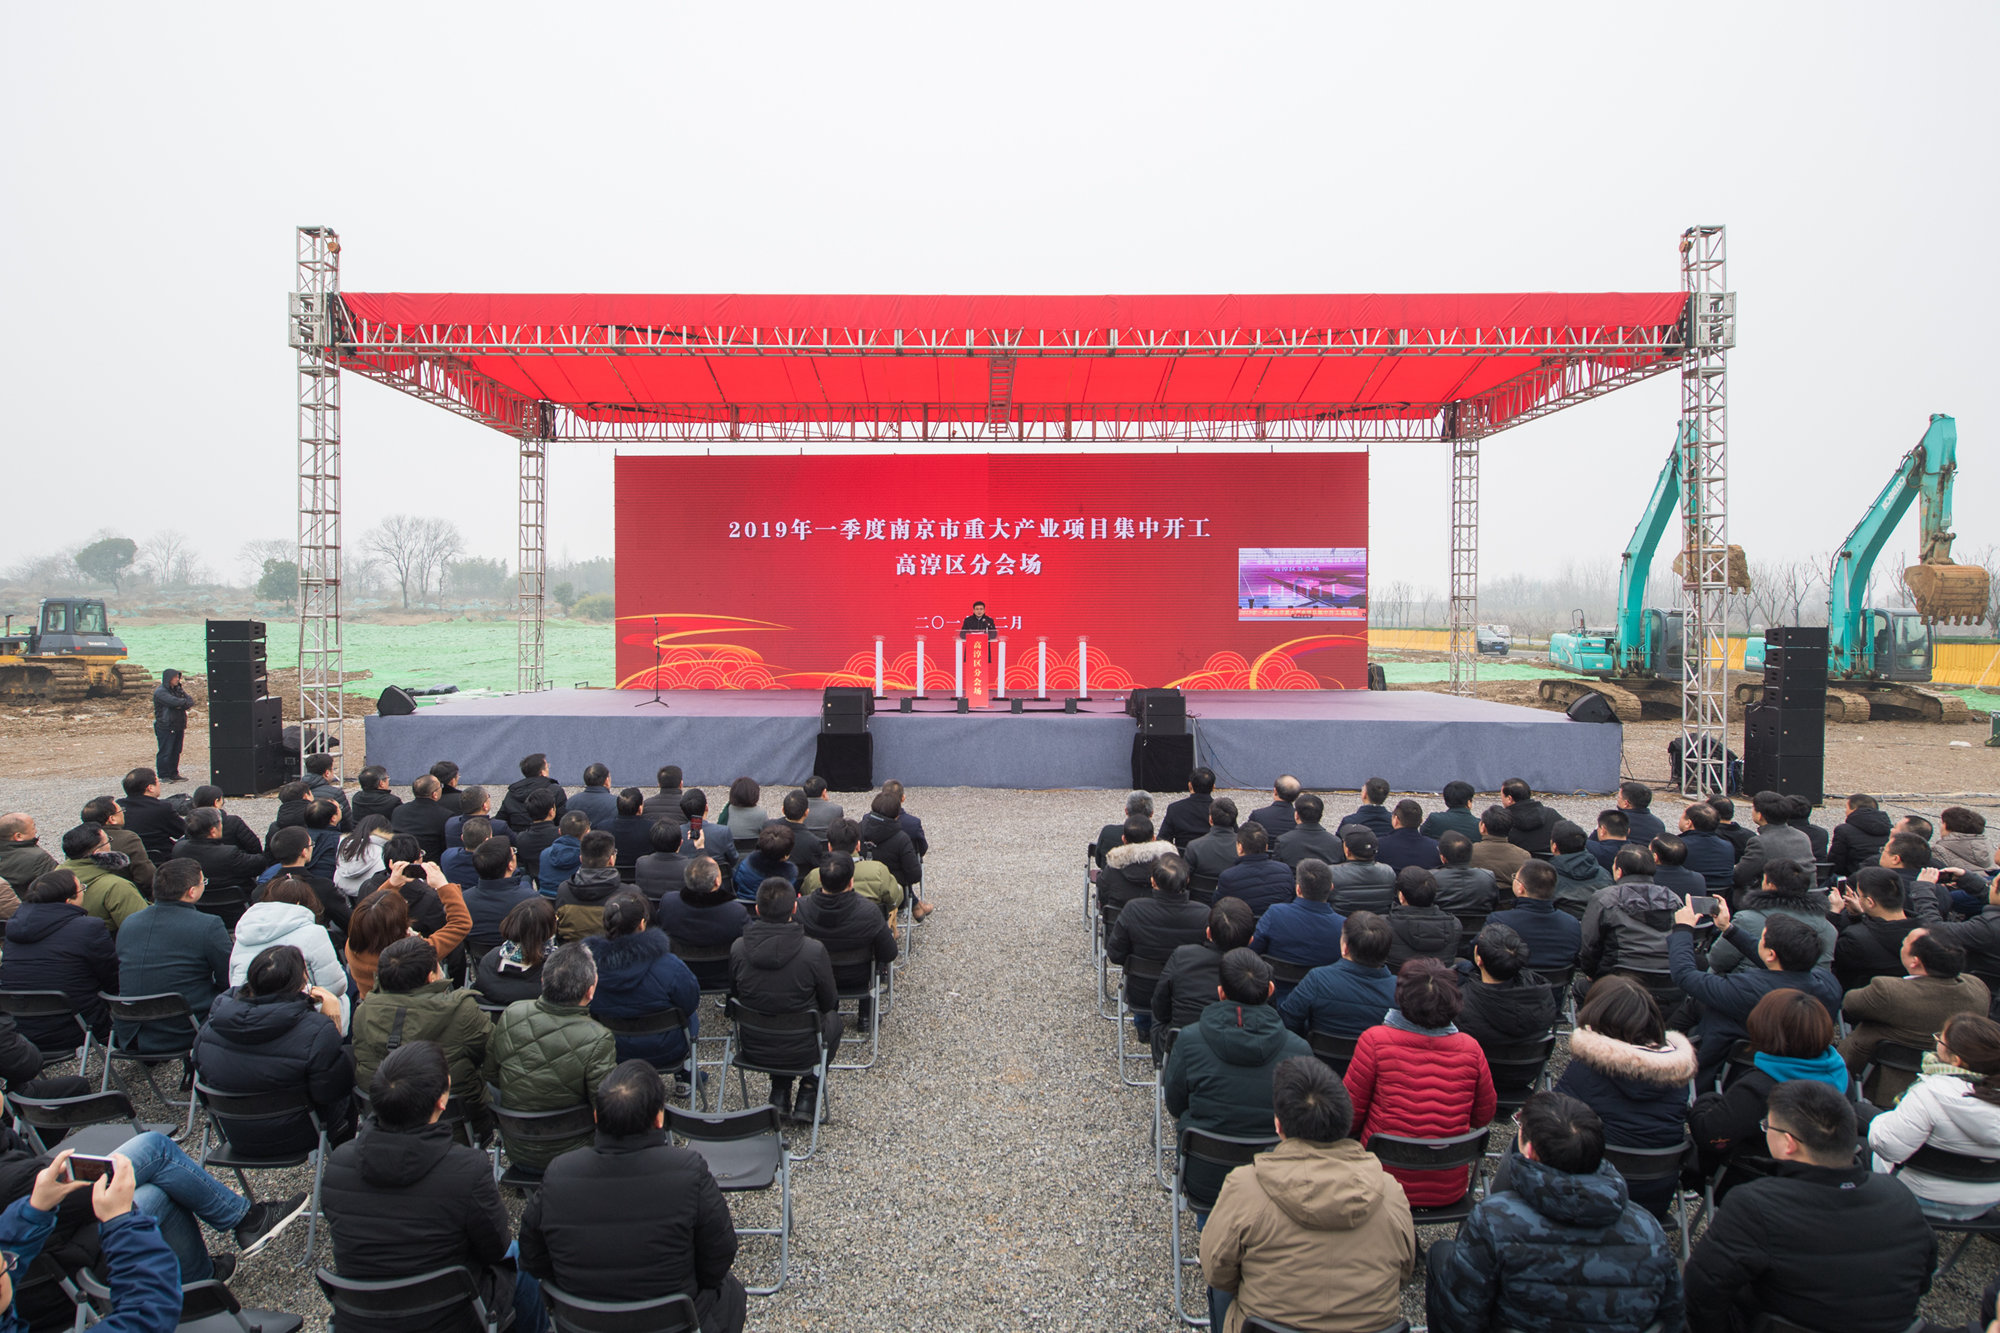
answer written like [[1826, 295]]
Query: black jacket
[[659, 875], [489, 902], [629, 1219], [1826, 1247], [514, 809], [156, 823], [273, 1043], [1513, 1011], [530, 843], [808, 850], [1278, 819], [407, 1203], [845, 922], [1552, 937], [1533, 825], [1259, 879], [893, 848], [1363, 886], [239, 834], [1646, 826], [1858, 841], [704, 921], [1421, 932], [1375, 818], [775, 969], [1309, 840], [1869, 948], [1186, 819], [1154, 927], [1188, 984], [230, 871], [58, 946], [505, 985], [663, 805], [634, 836], [1212, 853], [1468, 888], [424, 821], [364, 803]]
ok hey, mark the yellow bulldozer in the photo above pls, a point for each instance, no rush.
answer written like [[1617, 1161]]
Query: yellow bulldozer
[[69, 654]]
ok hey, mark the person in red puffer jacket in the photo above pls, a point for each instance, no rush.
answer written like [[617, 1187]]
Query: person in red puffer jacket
[[1418, 1076]]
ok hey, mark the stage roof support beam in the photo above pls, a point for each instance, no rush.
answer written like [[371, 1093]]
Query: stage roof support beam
[[314, 317]]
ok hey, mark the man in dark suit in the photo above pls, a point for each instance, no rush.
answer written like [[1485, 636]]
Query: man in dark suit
[[1372, 814], [1278, 818], [1310, 838], [423, 817], [1215, 851], [1187, 818]]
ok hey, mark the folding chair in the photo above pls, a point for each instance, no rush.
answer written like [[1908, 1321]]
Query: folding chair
[[534, 1128], [1287, 975], [1561, 980], [662, 1314], [1641, 1166], [264, 1106], [1972, 1170], [745, 1151], [848, 961], [20, 1004], [438, 1292], [1469, 926], [1107, 917], [1892, 1055], [778, 1026], [207, 1306], [1218, 1150], [710, 965], [657, 1024], [95, 1122], [1160, 1113], [1450, 1153], [1518, 1068], [1089, 882], [489, 1008], [168, 1009], [1147, 972], [1201, 888], [1335, 1052]]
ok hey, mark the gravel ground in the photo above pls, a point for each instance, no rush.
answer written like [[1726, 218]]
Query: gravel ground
[[990, 1172]]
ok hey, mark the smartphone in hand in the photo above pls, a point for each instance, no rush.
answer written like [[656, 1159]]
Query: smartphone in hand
[[1703, 903], [84, 1167]]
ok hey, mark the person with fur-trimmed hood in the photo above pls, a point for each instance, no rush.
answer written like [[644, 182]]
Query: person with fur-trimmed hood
[[1637, 1076], [1128, 867]]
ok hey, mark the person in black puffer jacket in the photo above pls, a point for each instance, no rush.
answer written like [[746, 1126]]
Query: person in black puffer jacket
[[512, 971], [1154, 928], [884, 839], [53, 944], [534, 777], [1189, 983], [269, 1035], [662, 871], [638, 974], [774, 969], [498, 891], [846, 923], [1534, 823], [1635, 1074], [1859, 839], [704, 914], [1421, 928], [1505, 1002]]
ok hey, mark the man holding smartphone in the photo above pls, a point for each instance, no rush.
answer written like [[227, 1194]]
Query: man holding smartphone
[[145, 1279]]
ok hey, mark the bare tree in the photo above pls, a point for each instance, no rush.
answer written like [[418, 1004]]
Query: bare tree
[[442, 543], [252, 555], [170, 560], [399, 541]]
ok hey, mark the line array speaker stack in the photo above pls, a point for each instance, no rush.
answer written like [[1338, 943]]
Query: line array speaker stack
[[1162, 749], [1784, 736], [845, 754], [246, 741]]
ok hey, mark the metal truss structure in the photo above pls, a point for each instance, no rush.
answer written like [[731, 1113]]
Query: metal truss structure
[[1463, 615], [313, 325], [530, 669], [1711, 332]]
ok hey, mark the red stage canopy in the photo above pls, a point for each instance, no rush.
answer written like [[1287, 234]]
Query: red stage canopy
[[638, 368]]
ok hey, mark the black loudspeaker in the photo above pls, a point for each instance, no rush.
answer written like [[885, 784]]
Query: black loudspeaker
[[1784, 750], [236, 682], [1160, 713], [236, 631], [1592, 707], [846, 760], [844, 710], [1378, 679], [1161, 763], [246, 746], [395, 702], [245, 724]]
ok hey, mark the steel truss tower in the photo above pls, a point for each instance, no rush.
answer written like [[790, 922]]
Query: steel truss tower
[[1463, 621], [314, 310], [530, 662], [1711, 332]]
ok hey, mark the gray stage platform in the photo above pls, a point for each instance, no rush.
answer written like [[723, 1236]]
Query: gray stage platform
[[1329, 739]]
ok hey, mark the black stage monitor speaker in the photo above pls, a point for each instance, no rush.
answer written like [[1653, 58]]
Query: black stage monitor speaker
[[844, 709], [846, 760], [236, 631], [1592, 707], [395, 702], [1161, 763], [1160, 712], [1378, 679]]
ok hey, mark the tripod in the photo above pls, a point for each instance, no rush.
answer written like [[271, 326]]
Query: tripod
[[656, 699]]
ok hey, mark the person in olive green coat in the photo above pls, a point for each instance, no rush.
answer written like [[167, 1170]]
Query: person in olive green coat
[[549, 1053], [107, 895], [412, 1001]]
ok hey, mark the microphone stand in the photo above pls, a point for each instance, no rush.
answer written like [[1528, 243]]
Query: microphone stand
[[656, 699]]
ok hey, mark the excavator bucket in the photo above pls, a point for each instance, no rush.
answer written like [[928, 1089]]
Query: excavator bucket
[[1739, 569], [1949, 594]]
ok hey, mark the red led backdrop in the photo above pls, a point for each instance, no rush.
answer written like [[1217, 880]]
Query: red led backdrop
[[1207, 571]]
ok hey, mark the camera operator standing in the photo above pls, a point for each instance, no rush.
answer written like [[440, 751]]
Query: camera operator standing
[[170, 712]]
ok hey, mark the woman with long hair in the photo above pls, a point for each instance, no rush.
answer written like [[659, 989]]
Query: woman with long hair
[[512, 970], [1625, 1065], [379, 920], [637, 973], [360, 856], [278, 1032], [1954, 1106]]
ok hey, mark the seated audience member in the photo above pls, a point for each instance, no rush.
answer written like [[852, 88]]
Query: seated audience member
[[361, 856], [287, 911], [1218, 1077], [1304, 932], [1626, 926], [1924, 896], [292, 850], [872, 879], [278, 1033], [596, 801], [450, 794], [1278, 817], [637, 974], [107, 894], [1784, 892], [53, 944], [1955, 1108], [775, 969], [412, 1001], [173, 947], [1360, 882], [907, 821], [1257, 878], [662, 871], [1553, 938], [1270, 1249], [496, 891], [1532, 820], [808, 848], [1787, 949], [1344, 999], [320, 787], [1373, 812], [1403, 847], [630, 830], [1462, 886], [1709, 854], [1136, 803], [1150, 928], [1415, 1074], [1824, 1244], [1310, 840], [537, 836], [1456, 817], [1579, 875], [1215, 851], [1632, 1072], [322, 824], [821, 814], [1189, 982], [844, 923], [1496, 852], [1614, 835], [235, 831], [144, 1275], [292, 806], [155, 822], [564, 856], [548, 1053], [423, 817], [1963, 845], [1872, 926], [701, 836], [664, 805], [402, 1198], [22, 860], [432, 905], [374, 798], [1791, 1037], [884, 838], [1506, 1002], [1670, 866], [1798, 814], [1562, 1246], [515, 808], [706, 915], [1776, 839], [1636, 800], [457, 861], [767, 855], [634, 1217], [1421, 928], [476, 803], [1858, 840], [229, 872], [1128, 867], [743, 814], [1187, 819], [139, 863], [581, 899], [1725, 824], [1909, 1008], [512, 970]]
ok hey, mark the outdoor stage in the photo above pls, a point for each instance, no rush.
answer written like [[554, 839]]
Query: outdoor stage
[[1330, 739]]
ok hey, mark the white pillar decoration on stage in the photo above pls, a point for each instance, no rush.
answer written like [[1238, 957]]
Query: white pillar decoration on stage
[[1082, 667], [878, 666], [1042, 667], [920, 666], [1000, 676], [958, 667]]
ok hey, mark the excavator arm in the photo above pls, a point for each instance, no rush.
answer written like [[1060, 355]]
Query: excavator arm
[[1635, 567]]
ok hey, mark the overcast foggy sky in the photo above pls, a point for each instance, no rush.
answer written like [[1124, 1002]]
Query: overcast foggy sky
[[155, 160]]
